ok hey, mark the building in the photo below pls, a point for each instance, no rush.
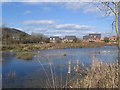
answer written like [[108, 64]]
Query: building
[[113, 39], [85, 38], [94, 37], [69, 38], [55, 39]]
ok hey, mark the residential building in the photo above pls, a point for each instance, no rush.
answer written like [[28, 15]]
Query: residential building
[[113, 39], [86, 38], [69, 38], [94, 37], [55, 39]]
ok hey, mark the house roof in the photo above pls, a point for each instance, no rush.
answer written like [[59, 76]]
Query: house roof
[[55, 37], [70, 37], [95, 34]]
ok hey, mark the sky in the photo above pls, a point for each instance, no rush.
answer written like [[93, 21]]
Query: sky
[[57, 18]]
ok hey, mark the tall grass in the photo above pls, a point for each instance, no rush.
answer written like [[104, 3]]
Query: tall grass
[[100, 75]]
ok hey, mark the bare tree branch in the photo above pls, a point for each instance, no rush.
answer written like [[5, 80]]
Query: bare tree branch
[[107, 4]]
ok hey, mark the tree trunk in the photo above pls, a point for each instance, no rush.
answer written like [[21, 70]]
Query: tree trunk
[[117, 22]]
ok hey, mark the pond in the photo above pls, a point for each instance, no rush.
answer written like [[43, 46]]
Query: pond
[[49, 67]]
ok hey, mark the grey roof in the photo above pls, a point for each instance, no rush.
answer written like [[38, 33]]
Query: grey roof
[[70, 37], [54, 37], [85, 37], [97, 35]]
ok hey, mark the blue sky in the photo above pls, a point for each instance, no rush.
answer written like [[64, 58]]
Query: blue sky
[[57, 19]]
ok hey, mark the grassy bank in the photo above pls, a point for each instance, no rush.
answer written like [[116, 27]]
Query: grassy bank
[[47, 46]]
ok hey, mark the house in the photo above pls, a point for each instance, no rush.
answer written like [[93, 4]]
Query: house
[[16, 37], [94, 37], [86, 38], [113, 39], [55, 39], [69, 38]]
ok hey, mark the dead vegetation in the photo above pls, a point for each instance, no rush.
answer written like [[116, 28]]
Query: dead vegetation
[[101, 75]]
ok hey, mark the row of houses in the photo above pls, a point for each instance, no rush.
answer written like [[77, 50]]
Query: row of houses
[[64, 39], [88, 38], [98, 38], [92, 38]]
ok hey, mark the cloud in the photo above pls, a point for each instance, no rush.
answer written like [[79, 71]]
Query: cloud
[[49, 27], [27, 12], [75, 5], [86, 7], [91, 9], [38, 22], [73, 27]]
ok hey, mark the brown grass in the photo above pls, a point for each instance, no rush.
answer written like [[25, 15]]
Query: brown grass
[[101, 75], [46, 46]]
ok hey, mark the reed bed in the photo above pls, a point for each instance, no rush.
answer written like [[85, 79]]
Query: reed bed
[[99, 75]]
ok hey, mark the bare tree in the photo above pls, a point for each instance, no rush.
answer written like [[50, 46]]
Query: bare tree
[[113, 8]]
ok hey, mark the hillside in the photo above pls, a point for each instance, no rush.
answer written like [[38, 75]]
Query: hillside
[[12, 35], [12, 32], [15, 36]]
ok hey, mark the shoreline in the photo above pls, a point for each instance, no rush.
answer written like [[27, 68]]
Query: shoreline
[[52, 46]]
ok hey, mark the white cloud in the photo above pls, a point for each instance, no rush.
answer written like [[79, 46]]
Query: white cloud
[[27, 12], [57, 0], [91, 9], [75, 5], [73, 27], [38, 22], [86, 7]]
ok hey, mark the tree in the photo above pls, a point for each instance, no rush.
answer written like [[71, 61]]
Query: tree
[[113, 8]]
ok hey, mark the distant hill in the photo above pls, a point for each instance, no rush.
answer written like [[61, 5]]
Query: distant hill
[[12, 35], [12, 32]]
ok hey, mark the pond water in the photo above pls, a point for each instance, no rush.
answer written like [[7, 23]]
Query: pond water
[[50, 67]]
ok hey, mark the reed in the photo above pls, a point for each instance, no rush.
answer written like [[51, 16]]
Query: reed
[[101, 75]]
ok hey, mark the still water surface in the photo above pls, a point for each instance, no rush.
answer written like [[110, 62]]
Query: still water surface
[[36, 72]]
